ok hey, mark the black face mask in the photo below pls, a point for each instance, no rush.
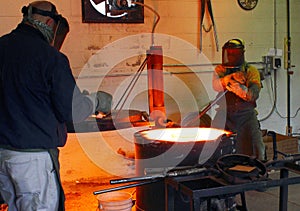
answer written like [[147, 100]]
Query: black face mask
[[62, 26]]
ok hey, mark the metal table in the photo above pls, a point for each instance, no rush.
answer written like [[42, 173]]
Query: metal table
[[216, 186]]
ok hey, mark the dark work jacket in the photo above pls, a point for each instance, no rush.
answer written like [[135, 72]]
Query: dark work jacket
[[38, 93]]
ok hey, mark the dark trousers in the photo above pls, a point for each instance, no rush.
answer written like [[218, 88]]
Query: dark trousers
[[247, 128]]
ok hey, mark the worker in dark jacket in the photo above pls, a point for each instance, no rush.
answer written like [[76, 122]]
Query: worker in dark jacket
[[237, 113], [38, 95]]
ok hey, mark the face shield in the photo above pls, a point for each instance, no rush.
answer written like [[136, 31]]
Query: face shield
[[60, 32], [233, 54], [61, 28]]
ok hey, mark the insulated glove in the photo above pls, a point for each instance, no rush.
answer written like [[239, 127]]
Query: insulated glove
[[239, 77], [226, 79], [103, 101], [238, 89]]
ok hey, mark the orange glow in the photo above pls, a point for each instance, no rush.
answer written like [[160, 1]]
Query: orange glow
[[184, 134]]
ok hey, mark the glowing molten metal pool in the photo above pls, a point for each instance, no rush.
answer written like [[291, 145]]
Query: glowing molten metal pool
[[184, 134]]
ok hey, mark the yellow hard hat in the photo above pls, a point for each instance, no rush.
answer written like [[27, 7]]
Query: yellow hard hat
[[234, 43]]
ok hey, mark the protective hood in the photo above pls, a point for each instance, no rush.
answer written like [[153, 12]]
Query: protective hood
[[59, 31]]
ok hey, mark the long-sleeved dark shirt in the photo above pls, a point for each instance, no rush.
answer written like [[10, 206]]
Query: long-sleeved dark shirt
[[38, 93]]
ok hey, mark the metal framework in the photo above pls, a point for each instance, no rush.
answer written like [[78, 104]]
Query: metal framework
[[173, 185]]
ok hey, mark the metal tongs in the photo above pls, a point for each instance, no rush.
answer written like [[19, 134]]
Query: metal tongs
[[203, 8], [155, 175], [206, 109]]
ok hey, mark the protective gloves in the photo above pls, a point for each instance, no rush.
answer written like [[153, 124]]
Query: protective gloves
[[239, 76], [238, 89], [103, 101], [226, 79]]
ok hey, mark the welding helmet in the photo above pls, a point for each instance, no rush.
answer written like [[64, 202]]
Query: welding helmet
[[233, 53], [59, 31]]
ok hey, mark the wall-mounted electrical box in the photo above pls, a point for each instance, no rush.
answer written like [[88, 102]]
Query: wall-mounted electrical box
[[276, 62], [271, 63]]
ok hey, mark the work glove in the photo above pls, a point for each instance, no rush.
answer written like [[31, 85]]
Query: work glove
[[103, 102], [226, 79], [238, 89], [239, 76]]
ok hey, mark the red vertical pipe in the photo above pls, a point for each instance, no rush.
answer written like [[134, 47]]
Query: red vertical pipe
[[156, 85]]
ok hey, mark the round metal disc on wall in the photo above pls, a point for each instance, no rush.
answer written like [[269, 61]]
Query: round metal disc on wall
[[247, 4]]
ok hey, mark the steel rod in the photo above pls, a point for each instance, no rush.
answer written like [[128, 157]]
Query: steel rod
[[207, 108], [124, 187]]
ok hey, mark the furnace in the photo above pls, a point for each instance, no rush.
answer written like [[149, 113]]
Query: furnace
[[159, 150]]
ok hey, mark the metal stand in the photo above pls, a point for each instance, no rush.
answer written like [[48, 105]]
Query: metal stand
[[221, 188]]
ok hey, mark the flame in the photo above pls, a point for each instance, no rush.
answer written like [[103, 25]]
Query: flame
[[184, 134]]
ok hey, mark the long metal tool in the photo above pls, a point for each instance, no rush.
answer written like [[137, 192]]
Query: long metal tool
[[162, 174], [124, 187], [131, 85], [206, 109], [148, 179]]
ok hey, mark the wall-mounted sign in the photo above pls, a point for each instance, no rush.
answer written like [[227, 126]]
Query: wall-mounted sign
[[112, 11]]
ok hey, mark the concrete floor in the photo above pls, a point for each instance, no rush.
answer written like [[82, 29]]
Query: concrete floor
[[269, 200]]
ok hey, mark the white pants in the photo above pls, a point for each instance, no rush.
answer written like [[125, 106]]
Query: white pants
[[28, 181]]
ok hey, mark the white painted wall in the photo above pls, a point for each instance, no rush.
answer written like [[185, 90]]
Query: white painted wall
[[125, 45]]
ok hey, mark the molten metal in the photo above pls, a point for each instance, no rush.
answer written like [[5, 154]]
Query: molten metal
[[184, 134]]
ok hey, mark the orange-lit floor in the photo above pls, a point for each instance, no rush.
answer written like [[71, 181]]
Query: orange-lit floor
[[80, 177]]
